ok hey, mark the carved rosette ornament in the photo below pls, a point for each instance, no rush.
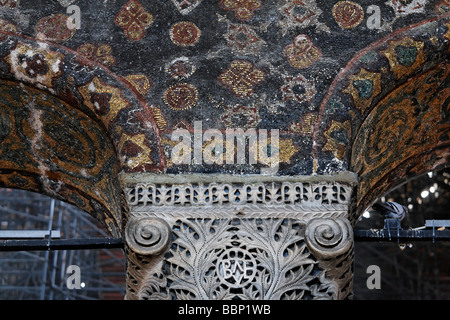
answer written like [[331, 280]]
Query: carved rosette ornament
[[251, 239]]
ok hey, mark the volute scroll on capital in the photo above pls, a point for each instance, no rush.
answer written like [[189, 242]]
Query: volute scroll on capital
[[328, 238], [147, 235]]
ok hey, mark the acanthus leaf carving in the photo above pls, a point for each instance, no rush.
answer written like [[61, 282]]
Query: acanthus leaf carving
[[240, 258]]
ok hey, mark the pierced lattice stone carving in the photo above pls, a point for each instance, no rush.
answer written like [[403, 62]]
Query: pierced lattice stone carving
[[145, 194], [239, 241]]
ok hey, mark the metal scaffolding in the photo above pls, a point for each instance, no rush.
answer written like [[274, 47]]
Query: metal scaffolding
[[409, 271], [42, 274]]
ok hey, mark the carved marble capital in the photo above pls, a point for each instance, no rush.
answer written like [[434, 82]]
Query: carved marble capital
[[238, 237]]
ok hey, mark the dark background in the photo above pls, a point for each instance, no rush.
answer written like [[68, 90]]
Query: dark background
[[416, 270]]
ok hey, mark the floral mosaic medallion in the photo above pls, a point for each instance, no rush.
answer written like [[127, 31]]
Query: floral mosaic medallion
[[10, 4], [35, 65], [7, 26], [181, 96], [134, 20], [243, 39], [241, 78], [348, 14], [180, 68], [54, 28], [301, 13], [302, 52], [298, 89], [185, 34], [101, 53], [243, 9]]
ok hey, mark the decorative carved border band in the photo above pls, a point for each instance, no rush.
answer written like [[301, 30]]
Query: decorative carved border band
[[230, 200], [232, 194]]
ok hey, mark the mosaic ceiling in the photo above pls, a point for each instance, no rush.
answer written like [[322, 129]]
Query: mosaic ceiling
[[317, 71]]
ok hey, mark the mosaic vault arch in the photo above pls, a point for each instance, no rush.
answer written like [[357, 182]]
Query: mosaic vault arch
[[45, 72], [90, 87], [372, 74], [404, 136], [400, 87], [50, 147]]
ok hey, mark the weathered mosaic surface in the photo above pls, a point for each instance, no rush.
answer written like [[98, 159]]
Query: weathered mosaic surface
[[49, 147], [230, 64], [409, 134], [315, 71]]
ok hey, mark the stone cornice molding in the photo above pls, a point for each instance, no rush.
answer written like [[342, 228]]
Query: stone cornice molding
[[239, 196]]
